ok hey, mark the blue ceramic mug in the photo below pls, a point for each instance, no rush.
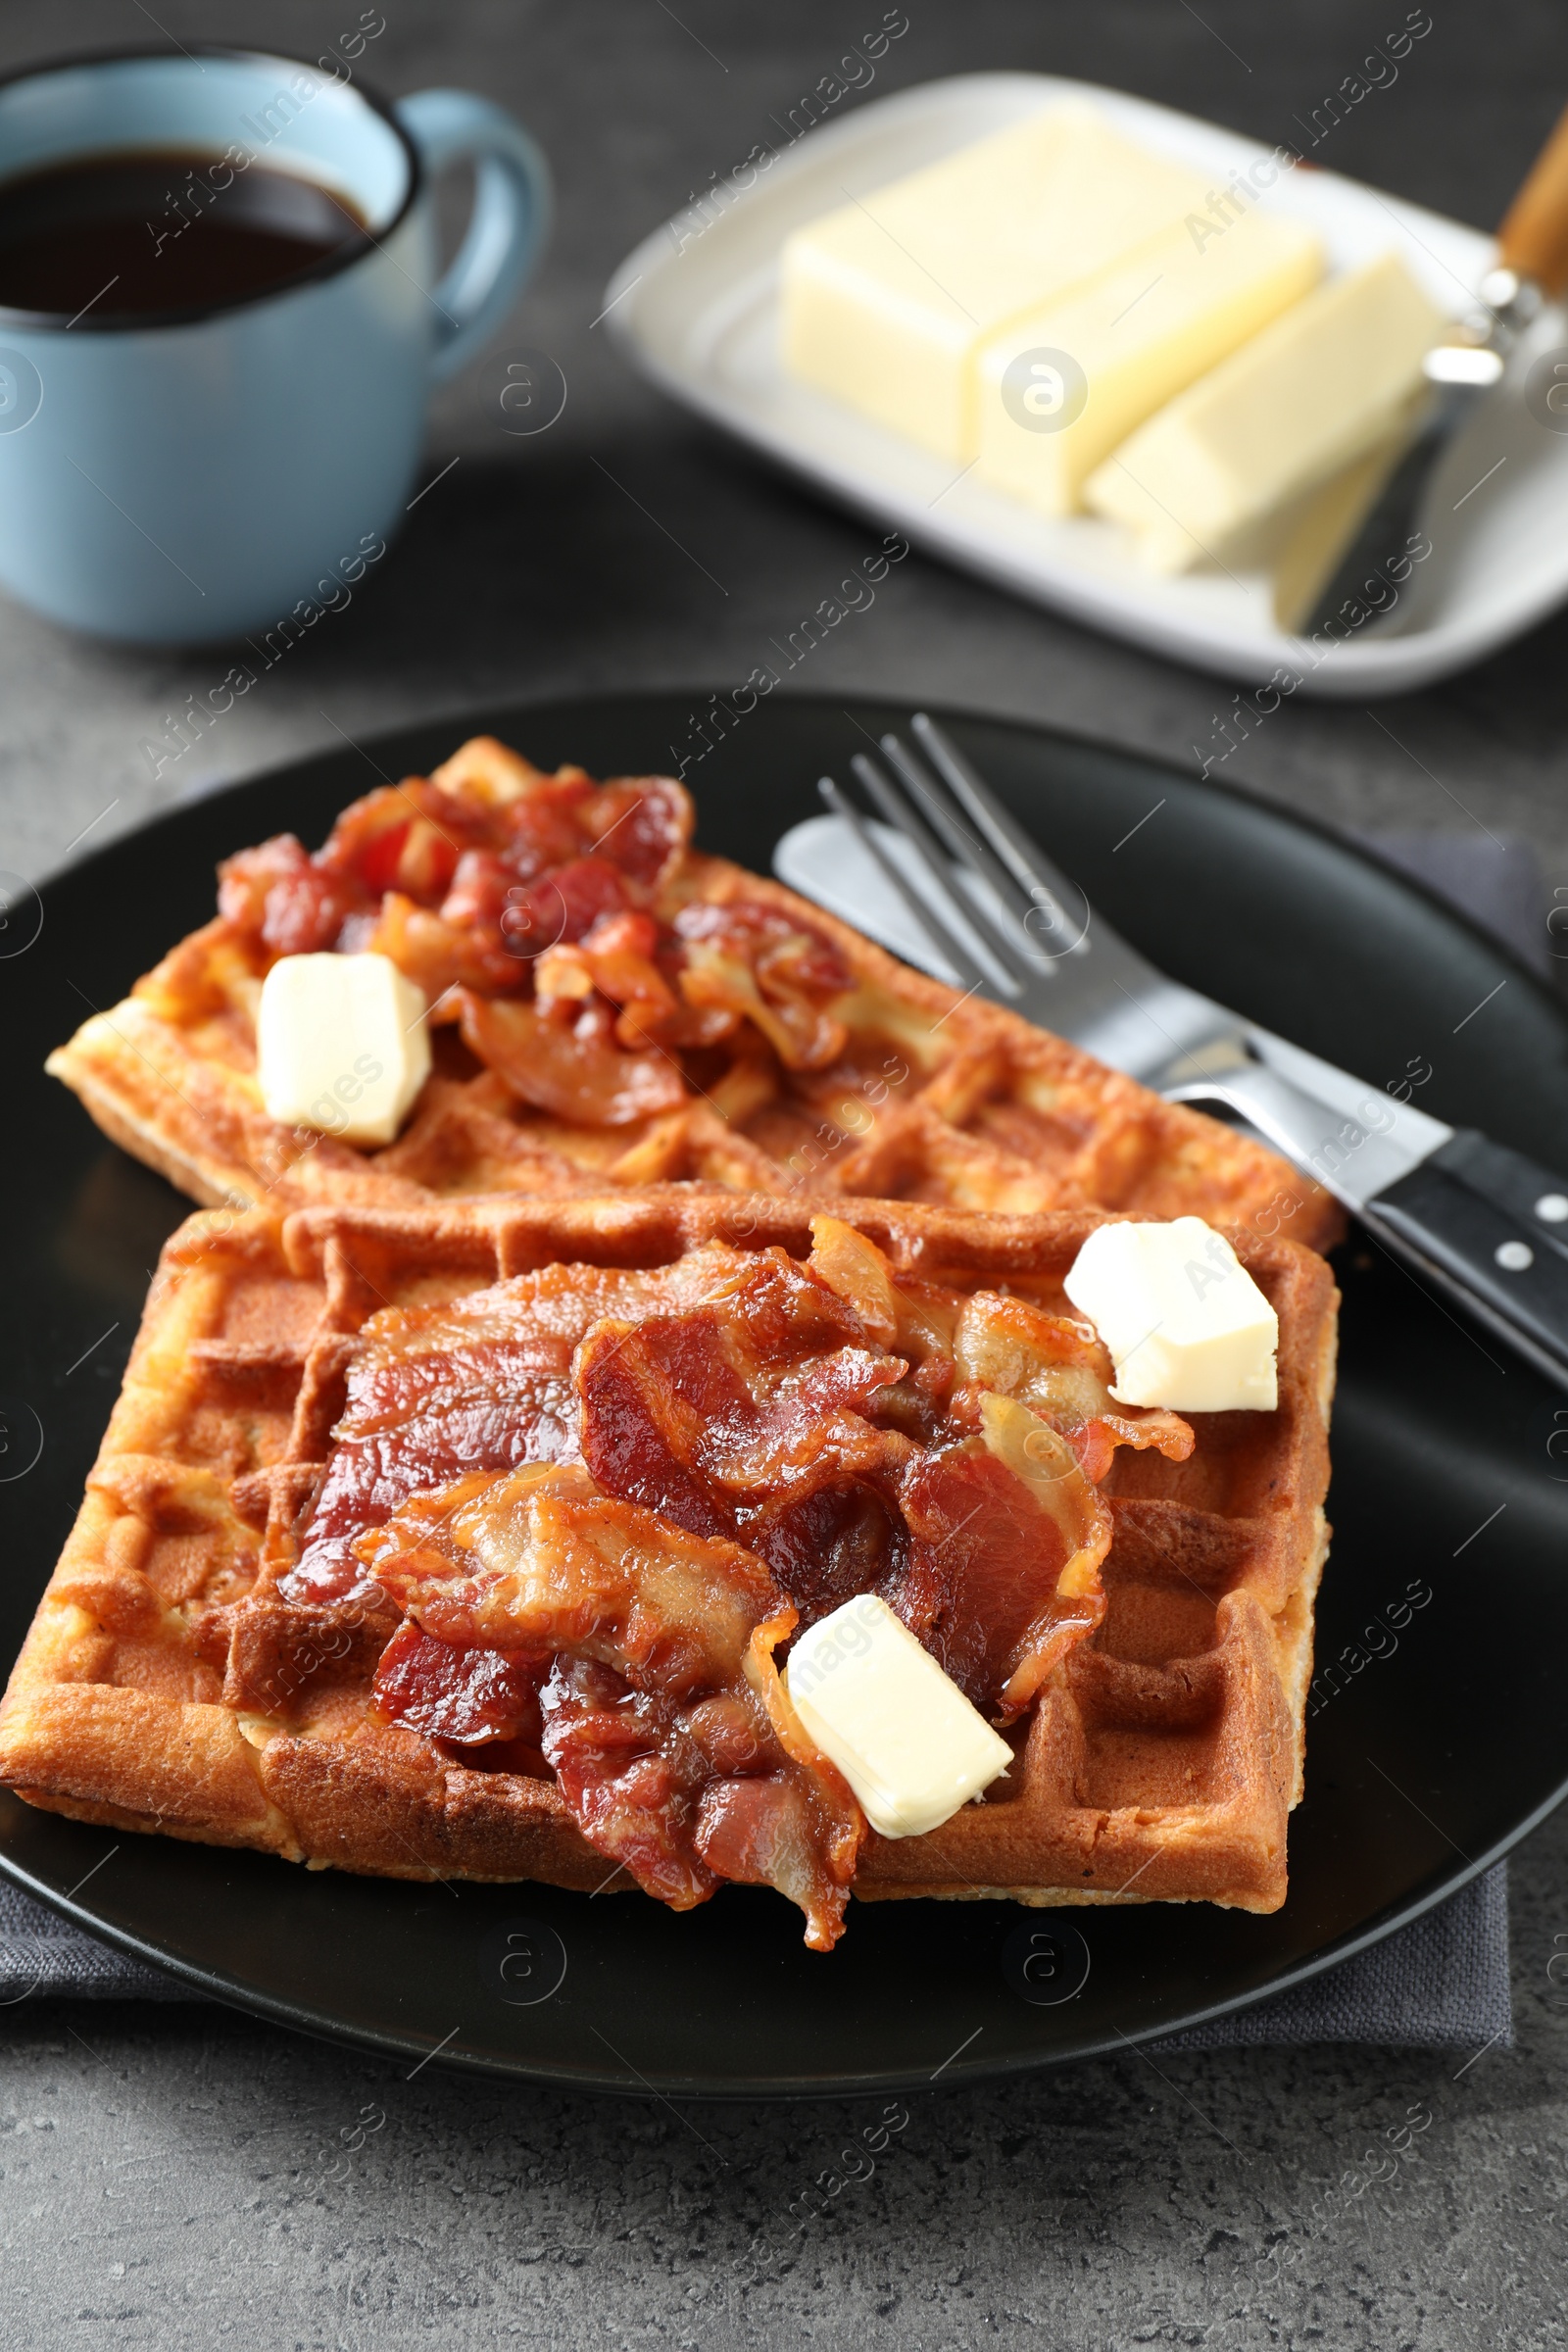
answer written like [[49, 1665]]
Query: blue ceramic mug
[[171, 479]]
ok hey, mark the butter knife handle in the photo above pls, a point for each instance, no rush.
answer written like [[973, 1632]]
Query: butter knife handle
[[1490, 1228], [1533, 240]]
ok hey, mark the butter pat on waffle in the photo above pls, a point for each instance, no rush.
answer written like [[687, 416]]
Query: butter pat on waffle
[[469, 1538], [610, 1009]]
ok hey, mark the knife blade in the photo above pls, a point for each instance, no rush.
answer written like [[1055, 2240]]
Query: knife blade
[[1464, 370], [1460, 373]]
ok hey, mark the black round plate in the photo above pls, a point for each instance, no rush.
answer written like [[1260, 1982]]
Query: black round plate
[[1440, 1739]]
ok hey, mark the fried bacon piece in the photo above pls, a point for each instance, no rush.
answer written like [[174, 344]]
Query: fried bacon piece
[[618, 958], [601, 1496], [481, 1383], [570, 1066], [749, 959], [766, 1413], [407, 836], [470, 1697], [1061, 1371], [489, 862], [435, 1393], [491, 883], [434, 954], [737, 1412], [284, 900], [671, 1739], [565, 905], [1001, 1575], [642, 824]]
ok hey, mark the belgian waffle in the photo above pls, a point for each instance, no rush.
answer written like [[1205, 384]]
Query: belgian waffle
[[167, 1684], [933, 1099]]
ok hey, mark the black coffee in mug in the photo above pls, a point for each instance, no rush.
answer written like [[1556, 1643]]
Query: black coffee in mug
[[143, 231], [219, 411]]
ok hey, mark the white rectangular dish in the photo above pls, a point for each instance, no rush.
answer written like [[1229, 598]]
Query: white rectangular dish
[[695, 309]]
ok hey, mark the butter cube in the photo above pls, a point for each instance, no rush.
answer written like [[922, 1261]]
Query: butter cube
[[1139, 335], [1314, 391], [1185, 1322], [900, 1730], [887, 301], [341, 1044]]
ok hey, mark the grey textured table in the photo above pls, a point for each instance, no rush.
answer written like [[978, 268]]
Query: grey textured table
[[181, 2175]]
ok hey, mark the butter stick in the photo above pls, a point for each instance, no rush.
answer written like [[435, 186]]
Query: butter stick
[[887, 300], [1314, 391], [1139, 335]]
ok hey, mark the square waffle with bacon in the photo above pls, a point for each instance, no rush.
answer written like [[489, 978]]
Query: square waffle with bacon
[[469, 1538], [610, 1009]]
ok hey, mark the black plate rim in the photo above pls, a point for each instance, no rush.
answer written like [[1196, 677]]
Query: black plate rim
[[322, 2027], [302, 2018]]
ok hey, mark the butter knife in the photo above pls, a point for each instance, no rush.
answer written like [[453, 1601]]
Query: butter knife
[[1464, 370]]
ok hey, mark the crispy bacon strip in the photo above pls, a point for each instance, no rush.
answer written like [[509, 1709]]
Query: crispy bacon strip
[[465, 876], [644, 824], [748, 958], [435, 1393], [570, 1068], [758, 1398], [490, 883], [437, 954], [981, 1583], [1064, 1374], [472, 1698], [661, 1711], [857, 1271], [481, 1383], [765, 1414], [615, 957]]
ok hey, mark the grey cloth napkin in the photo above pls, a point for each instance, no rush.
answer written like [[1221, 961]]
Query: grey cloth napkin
[[1441, 1982], [41, 1953], [1498, 883]]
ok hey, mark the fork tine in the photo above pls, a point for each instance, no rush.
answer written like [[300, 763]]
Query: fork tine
[[973, 855], [905, 819], [1048, 891], [936, 931]]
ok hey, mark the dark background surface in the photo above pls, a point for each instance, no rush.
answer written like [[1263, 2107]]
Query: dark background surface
[[180, 2176]]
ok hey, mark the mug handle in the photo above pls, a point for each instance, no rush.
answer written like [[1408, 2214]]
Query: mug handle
[[512, 206]]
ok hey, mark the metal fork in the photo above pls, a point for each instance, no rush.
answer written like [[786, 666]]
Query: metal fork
[[1012, 927], [1483, 1222]]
